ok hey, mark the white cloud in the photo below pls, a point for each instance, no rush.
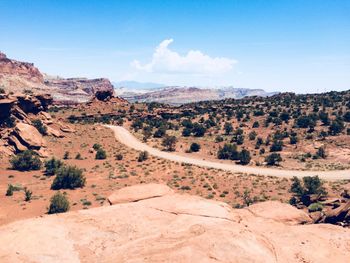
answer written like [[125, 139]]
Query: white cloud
[[165, 60]]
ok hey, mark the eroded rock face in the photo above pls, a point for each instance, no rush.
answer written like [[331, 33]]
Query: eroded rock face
[[17, 76], [80, 89], [21, 69], [171, 228], [29, 136]]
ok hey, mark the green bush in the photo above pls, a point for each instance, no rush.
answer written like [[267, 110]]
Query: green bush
[[97, 146], [244, 157], [195, 147], [101, 154], [143, 156], [38, 124], [119, 157], [315, 207], [58, 204], [66, 155], [273, 159], [169, 142], [10, 190], [68, 177], [229, 151], [27, 194], [52, 165], [310, 185], [26, 161]]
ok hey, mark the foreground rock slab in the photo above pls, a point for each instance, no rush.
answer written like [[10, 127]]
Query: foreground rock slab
[[171, 228]]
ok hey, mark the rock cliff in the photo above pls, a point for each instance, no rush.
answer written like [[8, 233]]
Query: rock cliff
[[16, 76]]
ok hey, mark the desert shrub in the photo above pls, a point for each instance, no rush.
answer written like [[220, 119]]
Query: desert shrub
[[78, 156], [198, 130], [346, 116], [293, 139], [244, 157], [169, 143], [119, 157], [186, 132], [66, 155], [305, 122], [96, 146], [228, 128], [276, 146], [195, 147], [273, 159], [321, 152], [160, 132], [229, 151], [68, 177], [2, 90], [27, 194], [58, 204], [219, 138], [38, 124], [52, 165], [26, 161], [315, 207], [310, 185], [336, 127], [10, 190], [100, 154], [252, 135], [256, 124], [143, 156]]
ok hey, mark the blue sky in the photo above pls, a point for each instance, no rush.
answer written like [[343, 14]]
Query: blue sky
[[286, 45]]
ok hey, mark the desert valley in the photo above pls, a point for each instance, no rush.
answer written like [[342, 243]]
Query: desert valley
[[88, 176], [175, 131]]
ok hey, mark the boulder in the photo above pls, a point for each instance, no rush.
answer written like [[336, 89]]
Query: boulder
[[29, 136], [29, 104], [45, 100], [53, 132], [18, 145], [170, 228], [138, 192], [280, 212], [66, 128]]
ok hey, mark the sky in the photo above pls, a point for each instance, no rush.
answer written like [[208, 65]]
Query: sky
[[298, 46]]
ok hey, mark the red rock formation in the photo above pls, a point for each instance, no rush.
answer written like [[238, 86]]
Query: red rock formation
[[21, 69], [18, 76]]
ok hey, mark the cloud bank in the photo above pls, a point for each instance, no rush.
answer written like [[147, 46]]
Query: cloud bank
[[165, 60]]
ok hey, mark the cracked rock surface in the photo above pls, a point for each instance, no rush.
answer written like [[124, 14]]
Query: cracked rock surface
[[168, 227]]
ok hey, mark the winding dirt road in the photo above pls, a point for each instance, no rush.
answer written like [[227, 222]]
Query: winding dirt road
[[125, 137]]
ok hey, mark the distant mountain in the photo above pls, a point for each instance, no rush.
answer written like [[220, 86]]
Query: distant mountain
[[180, 95], [133, 85]]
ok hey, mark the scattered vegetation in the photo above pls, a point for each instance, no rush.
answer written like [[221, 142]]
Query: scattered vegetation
[[26, 161], [68, 177], [58, 204]]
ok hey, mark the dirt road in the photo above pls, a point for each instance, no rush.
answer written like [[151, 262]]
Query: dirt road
[[125, 137]]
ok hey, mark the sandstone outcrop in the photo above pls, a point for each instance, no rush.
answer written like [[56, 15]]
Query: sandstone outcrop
[[17, 76], [16, 129], [29, 136], [10, 67], [172, 228]]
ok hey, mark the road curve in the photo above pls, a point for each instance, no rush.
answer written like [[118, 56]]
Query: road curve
[[125, 137]]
